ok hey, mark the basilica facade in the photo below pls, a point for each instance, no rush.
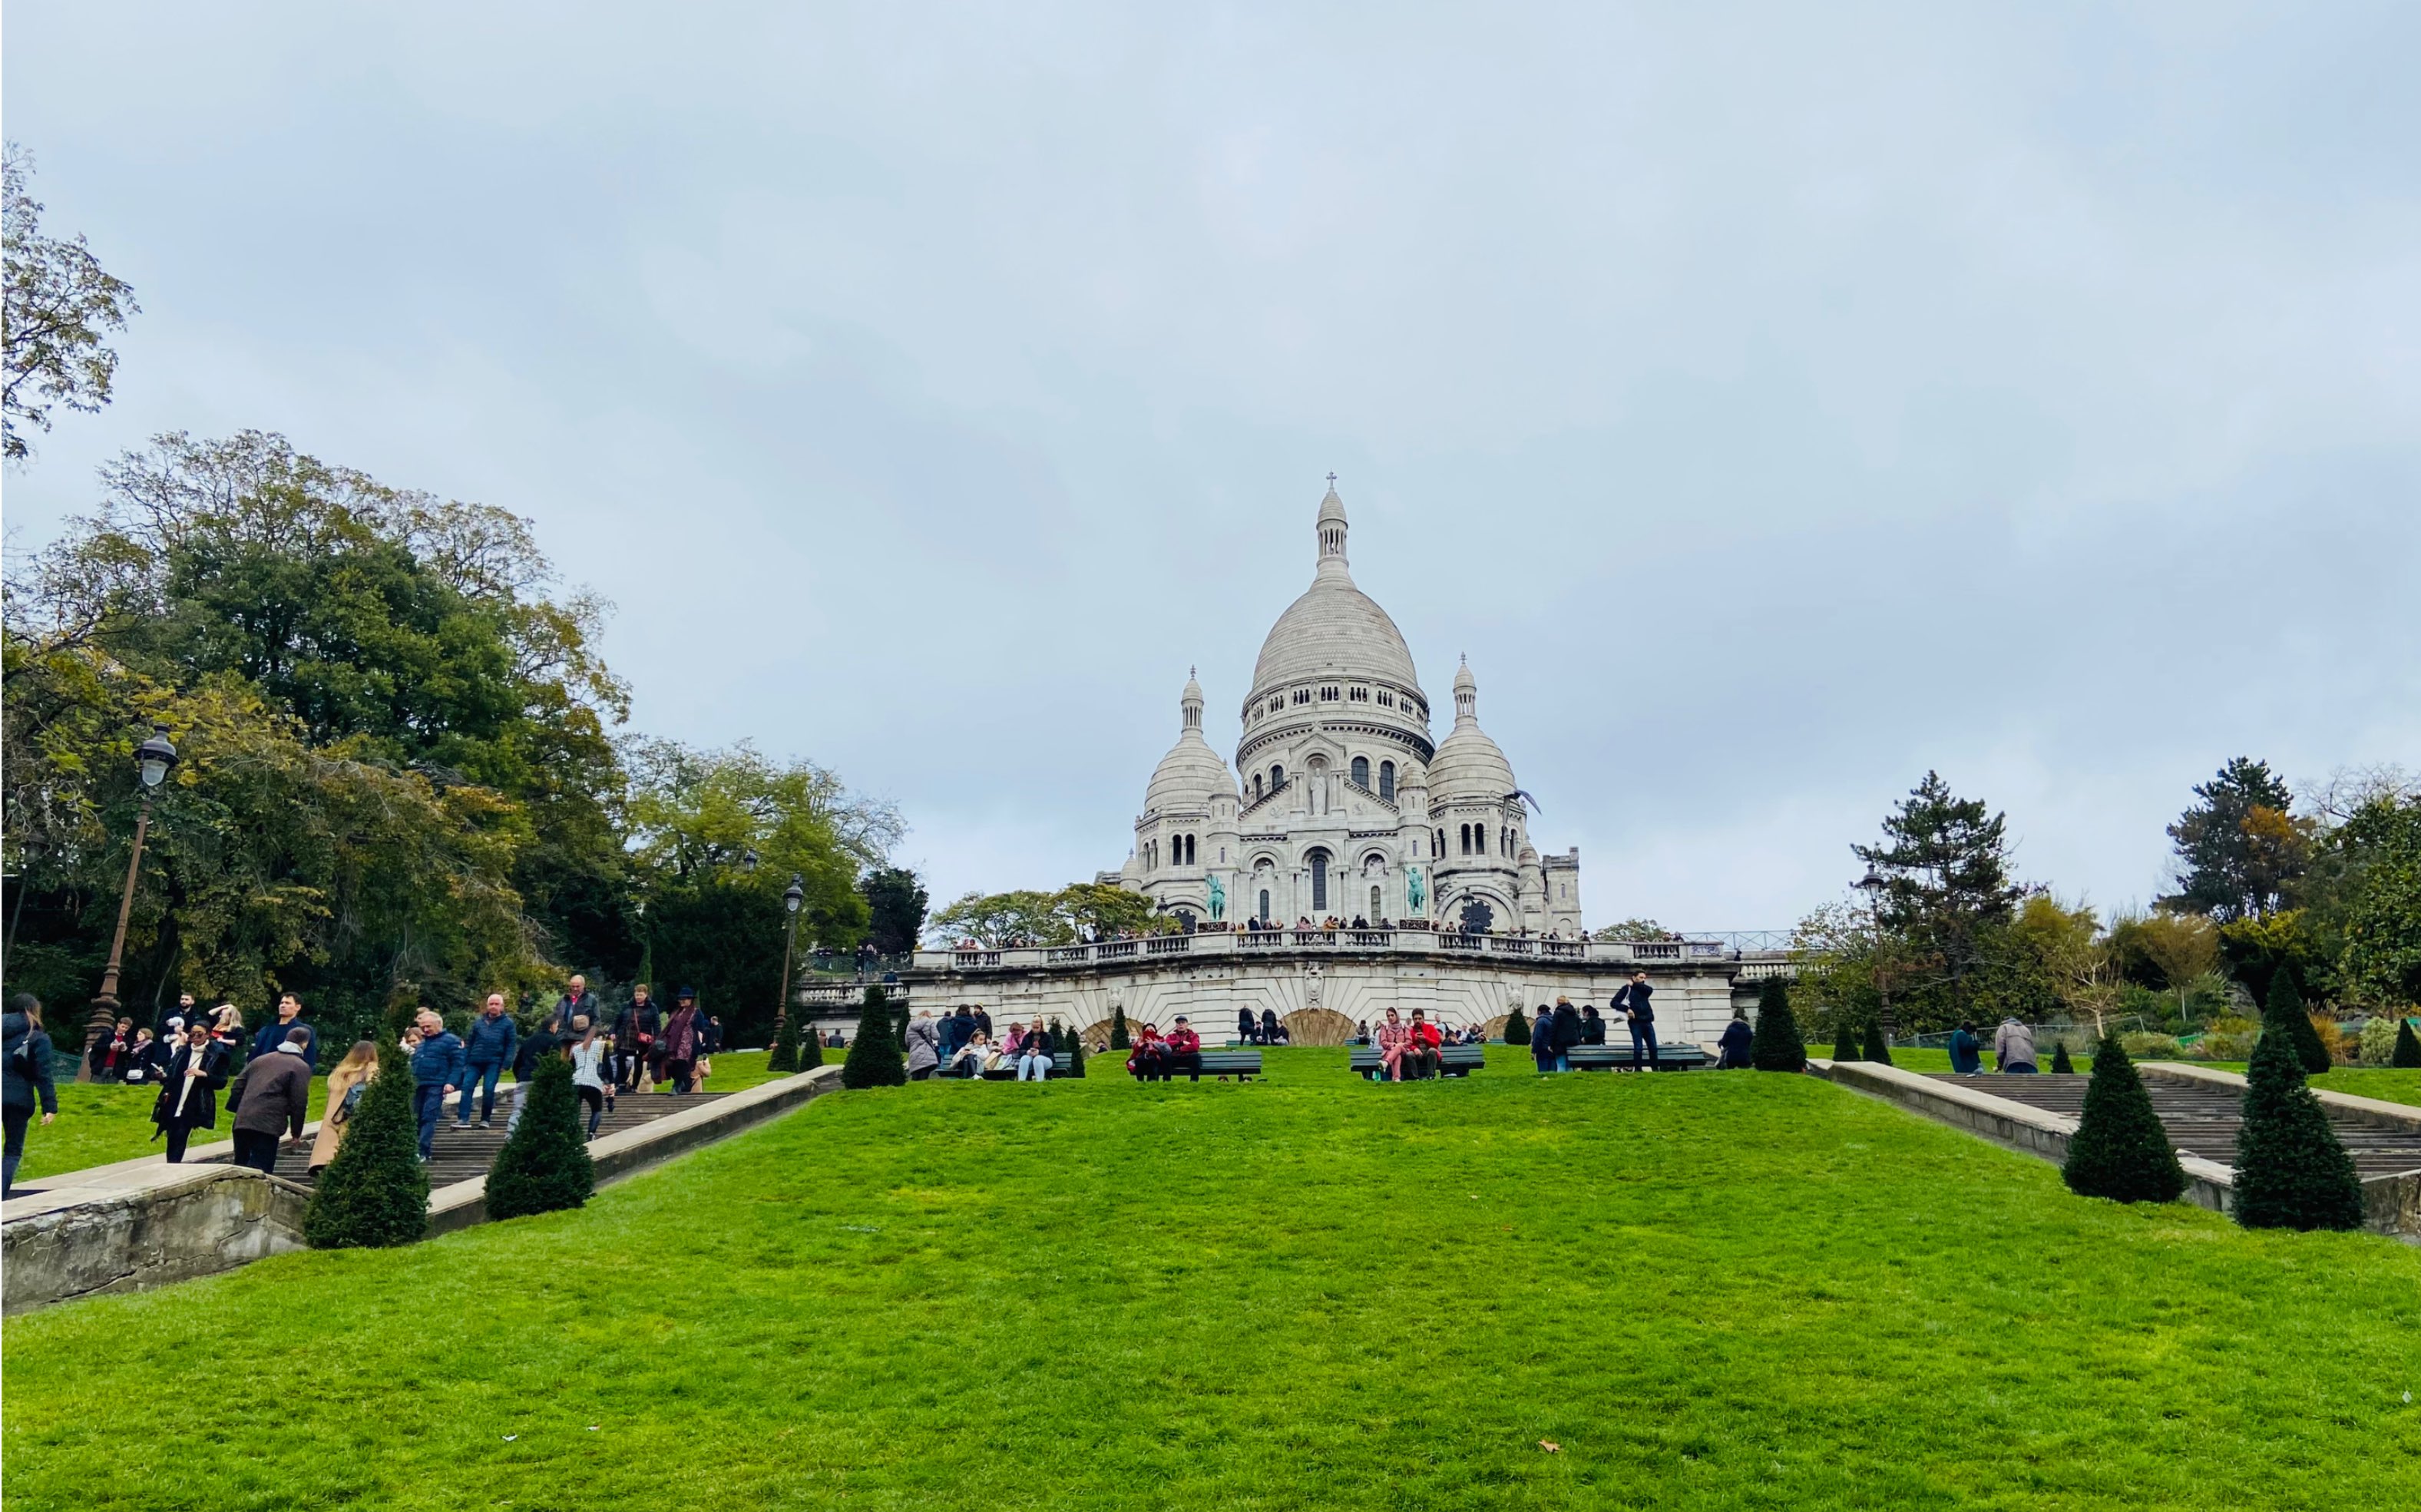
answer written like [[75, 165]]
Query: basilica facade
[[1339, 803]]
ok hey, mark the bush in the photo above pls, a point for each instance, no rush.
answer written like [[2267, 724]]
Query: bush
[[2291, 1170], [1517, 1028], [1845, 1042], [2148, 1047], [1776, 1045], [544, 1165], [2119, 1150], [2283, 1015], [375, 1193], [2226, 1044], [875, 1058], [2408, 1045], [2376, 1044], [1876, 1050], [2061, 1063], [785, 1057], [1118, 1029], [1075, 1053], [811, 1048]]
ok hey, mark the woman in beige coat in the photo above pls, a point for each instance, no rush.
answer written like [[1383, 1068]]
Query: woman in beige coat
[[359, 1065]]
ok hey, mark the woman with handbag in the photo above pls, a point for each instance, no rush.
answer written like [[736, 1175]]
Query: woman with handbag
[[189, 1090], [346, 1080]]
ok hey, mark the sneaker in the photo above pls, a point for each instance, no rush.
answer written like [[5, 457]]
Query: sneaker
[[486, 1125], [462, 1123]]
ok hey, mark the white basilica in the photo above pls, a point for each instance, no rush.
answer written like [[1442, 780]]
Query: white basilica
[[1346, 808]]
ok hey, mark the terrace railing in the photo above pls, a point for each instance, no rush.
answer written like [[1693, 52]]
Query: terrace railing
[[1395, 940]]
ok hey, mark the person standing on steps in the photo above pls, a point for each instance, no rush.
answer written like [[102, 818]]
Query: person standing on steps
[[590, 1061], [2014, 1045], [287, 1024], [436, 1071], [1633, 1002], [486, 1052], [26, 1081], [684, 1036], [188, 1089], [355, 1070], [576, 1001], [636, 1029], [271, 1099], [1966, 1059]]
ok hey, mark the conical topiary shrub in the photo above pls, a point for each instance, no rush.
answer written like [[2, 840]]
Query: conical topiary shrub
[[2283, 1014], [1845, 1042], [2062, 1065], [1776, 1045], [545, 1164], [1516, 1029], [811, 1047], [2119, 1150], [1056, 1037], [375, 1193], [1118, 1029], [784, 1058], [2408, 1045], [1877, 1051], [1075, 1053], [875, 1058], [2291, 1170]]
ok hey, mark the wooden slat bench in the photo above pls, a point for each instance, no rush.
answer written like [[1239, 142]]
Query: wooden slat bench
[[1008, 1072], [1453, 1060], [1618, 1058], [1243, 1064]]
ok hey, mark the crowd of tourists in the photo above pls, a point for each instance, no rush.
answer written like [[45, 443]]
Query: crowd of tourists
[[961, 1044]]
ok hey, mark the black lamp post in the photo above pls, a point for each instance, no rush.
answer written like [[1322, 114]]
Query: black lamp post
[[748, 861], [152, 760], [792, 896], [1872, 884]]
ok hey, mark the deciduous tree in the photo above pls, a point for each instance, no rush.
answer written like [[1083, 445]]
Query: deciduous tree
[[60, 303]]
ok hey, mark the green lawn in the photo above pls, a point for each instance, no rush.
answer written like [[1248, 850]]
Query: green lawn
[[97, 1125], [1711, 1290]]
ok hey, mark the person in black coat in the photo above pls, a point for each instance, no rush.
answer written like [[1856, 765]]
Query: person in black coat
[[189, 1090], [1568, 1032], [957, 1029], [1632, 1000], [28, 1079], [1269, 1027], [1542, 1040], [1592, 1026], [1737, 1041], [1247, 1032]]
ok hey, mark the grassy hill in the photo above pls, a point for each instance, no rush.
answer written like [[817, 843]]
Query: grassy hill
[[1707, 1291]]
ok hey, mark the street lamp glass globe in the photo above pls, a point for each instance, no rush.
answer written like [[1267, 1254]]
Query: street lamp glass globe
[[795, 894], [154, 756], [748, 861]]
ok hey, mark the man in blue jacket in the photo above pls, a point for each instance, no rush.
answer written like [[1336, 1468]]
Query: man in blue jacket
[[436, 1070], [289, 1026], [485, 1054]]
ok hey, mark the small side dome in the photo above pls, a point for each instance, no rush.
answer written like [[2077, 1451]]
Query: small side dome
[[1191, 773]]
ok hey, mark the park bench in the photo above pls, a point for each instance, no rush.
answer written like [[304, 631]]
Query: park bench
[[1243, 1064], [1453, 1060], [1618, 1058], [1009, 1073]]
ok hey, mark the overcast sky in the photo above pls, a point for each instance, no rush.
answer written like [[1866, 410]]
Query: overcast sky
[[1773, 402]]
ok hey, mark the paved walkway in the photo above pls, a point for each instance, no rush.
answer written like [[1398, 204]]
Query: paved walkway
[[2202, 1121]]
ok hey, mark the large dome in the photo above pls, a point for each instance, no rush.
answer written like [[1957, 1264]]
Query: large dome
[[1334, 629]]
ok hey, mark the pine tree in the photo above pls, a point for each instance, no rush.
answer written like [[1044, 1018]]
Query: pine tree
[[1877, 1051], [2062, 1065], [875, 1058], [1845, 1042], [545, 1164], [2408, 1045], [2283, 1015], [811, 1048], [2291, 1170], [784, 1058], [2119, 1150], [1777, 1046], [375, 1193], [1516, 1029], [1118, 1029]]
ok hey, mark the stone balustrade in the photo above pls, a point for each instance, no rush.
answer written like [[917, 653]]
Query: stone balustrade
[[1391, 941]]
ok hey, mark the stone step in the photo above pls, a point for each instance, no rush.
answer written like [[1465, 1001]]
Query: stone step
[[2201, 1120]]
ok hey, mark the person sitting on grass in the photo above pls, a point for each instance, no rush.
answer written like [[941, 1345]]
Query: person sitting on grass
[[1394, 1039], [1184, 1052], [1032, 1060], [1421, 1050], [1149, 1058]]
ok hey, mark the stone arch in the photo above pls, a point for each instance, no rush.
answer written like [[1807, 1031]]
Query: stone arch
[[1316, 1026]]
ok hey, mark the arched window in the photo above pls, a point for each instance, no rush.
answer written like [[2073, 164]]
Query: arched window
[[1277, 778], [1441, 842], [1189, 851], [1361, 772], [1256, 786], [1317, 861], [1466, 839], [1376, 911], [1387, 781], [1265, 905]]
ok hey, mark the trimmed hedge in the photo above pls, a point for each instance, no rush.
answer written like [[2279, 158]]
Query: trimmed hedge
[[375, 1194], [544, 1166], [875, 1058], [2291, 1170], [2119, 1150], [1776, 1045], [2283, 1013]]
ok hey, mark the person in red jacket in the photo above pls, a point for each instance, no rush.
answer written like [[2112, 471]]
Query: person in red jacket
[[1149, 1059], [1184, 1053], [1421, 1059]]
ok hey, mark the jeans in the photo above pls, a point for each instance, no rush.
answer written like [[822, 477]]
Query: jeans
[[256, 1149], [1038, 1065], [595, 1099], [2022, 1068], [1643, 1044], [17, 1119], [429, 1105], [1563, 1060], [480, 1079]]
